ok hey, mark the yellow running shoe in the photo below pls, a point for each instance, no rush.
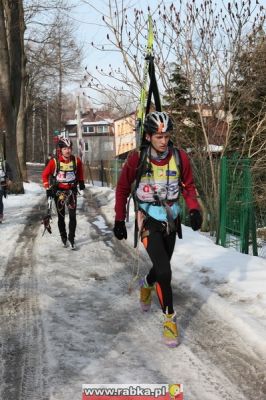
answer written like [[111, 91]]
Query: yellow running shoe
[[145, 295], [170, 331]]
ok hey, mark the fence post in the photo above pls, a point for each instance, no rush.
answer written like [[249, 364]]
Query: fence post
[[221, 239], [101, 173], [253, 233], [244, 216]]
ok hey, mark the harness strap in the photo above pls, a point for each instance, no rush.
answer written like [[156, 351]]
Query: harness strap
[[153, 88]]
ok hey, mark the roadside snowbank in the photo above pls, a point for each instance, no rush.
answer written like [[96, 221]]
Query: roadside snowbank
[[233, 284]]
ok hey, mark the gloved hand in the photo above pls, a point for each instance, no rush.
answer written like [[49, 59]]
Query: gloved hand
[[81, 185], [49, 193], [120, 230], [195, 219]]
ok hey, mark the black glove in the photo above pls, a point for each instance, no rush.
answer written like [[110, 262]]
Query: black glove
[[81, 185], [49, 193], [120, 230], [195, 219]]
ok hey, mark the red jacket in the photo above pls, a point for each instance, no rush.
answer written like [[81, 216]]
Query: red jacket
[[51, 167], [128, 176]]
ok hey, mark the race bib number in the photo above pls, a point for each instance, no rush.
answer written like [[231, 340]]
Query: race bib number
[[65, 177]]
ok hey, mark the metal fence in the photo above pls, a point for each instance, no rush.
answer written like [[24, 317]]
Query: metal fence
[[105, 173], [237, 223]]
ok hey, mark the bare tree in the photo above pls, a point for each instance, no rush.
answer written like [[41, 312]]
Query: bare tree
[[205, 39], [54, 58], [12, 63]]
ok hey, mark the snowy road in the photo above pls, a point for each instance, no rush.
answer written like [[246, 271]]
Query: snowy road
[[22, 349], [67, 318]]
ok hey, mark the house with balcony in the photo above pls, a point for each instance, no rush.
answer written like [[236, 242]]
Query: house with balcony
[[97, 136]]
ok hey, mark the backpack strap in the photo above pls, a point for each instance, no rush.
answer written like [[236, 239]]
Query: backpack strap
[[178, 161], [57, 165], [153, 89], [143, 153], [75, 162], [139, 171]]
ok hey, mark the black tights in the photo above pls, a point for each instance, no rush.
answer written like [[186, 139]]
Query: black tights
[[160, 247], [69, 200]]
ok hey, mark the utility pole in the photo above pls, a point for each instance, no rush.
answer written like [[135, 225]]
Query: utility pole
[[47, 128], [33, 134], [80, 143]]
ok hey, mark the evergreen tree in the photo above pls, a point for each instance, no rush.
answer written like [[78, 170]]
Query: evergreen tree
[[179, 103]]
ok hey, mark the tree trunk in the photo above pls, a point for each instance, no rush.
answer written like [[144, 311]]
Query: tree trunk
[[11, 56], [21, 135], [21, 119]]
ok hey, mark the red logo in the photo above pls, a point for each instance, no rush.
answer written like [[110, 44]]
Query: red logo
[[146, 188]]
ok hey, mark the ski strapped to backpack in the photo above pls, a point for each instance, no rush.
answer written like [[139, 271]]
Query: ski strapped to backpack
[[142, 109], [142, 144]]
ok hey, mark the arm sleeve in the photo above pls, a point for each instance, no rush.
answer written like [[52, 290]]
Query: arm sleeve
[[47, 172], [80, 175], [189, 190], [124, 184]]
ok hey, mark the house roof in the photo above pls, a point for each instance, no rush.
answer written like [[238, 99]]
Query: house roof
[[102, 122], [89, 123], [133, 113]]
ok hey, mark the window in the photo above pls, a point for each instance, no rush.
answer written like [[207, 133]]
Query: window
[[86, 146], [102, 129], [88, 129]]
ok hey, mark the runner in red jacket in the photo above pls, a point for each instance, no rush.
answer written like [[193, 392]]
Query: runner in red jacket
[[160, 179], [66, 173]]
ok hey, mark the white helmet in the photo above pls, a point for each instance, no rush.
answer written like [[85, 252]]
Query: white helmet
[[157, 122], [64, 142]]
